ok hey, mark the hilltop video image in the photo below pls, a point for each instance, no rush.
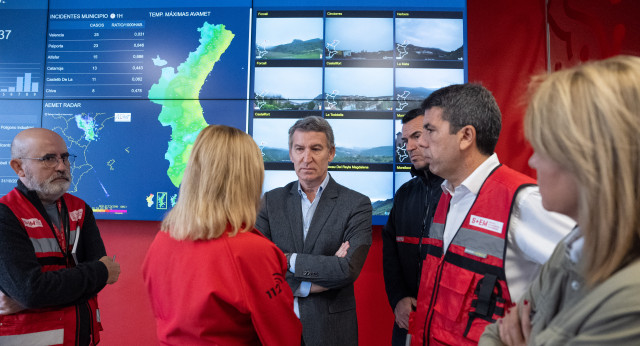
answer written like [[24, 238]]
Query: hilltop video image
[[414, 85], [288, 88], [363, 140], [359, 89], [272, 137], [289, 38], [375, 185], [429, 39]]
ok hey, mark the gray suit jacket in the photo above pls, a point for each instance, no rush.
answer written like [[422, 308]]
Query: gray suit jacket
[[328, 318]]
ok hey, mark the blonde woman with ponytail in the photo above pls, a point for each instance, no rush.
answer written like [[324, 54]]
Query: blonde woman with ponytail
[[212, 278]]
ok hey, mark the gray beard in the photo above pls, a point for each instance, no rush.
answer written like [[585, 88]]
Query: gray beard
[[47, 190]]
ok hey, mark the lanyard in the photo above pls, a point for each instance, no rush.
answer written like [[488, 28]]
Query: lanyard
[[62, 235]]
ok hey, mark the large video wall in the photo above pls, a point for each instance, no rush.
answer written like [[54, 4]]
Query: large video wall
[[129, 85]]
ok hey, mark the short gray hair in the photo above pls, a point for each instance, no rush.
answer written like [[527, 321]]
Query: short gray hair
[[313, 124]]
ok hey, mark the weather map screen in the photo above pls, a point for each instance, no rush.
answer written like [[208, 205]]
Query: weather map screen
[[129, 85]]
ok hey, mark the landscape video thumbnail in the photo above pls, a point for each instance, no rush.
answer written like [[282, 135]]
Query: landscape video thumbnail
[[375, 185], [359, 38], [272, 137], [363, 140], [359, 88], [289, 38], [429, 39], [415, 84], [288, 88]]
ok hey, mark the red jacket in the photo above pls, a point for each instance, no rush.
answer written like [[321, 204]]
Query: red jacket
[[50, 326], [465, 289], [223, 291]]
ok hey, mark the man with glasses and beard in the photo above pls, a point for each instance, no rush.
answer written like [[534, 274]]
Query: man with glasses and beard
[[52, 259]]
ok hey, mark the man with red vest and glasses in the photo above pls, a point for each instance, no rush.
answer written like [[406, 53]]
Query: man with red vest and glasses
[[490, 234], [52, 260]]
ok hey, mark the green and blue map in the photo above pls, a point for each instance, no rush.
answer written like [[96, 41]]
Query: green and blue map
[[131, 153]]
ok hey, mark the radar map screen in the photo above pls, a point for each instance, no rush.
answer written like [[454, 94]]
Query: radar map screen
[[129, 85]]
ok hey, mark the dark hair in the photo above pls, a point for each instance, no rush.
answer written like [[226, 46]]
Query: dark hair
[[412, 114], [313, 124], [469, 104]]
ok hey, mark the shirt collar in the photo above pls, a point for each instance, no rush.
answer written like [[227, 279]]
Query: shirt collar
[[574, 242], [474, 181], [322, 186]]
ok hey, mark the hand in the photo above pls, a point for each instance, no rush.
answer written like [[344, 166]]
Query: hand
[[515, 328], [113, 268], [9, 306], [315, 288], [342, 251], [402, 311]]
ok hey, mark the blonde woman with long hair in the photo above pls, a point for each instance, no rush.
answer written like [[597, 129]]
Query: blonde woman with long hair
[[584, 126], [212, 278]]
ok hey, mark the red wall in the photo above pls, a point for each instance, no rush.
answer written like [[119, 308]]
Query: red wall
[[507, 45], [124, 306], [583, 30]]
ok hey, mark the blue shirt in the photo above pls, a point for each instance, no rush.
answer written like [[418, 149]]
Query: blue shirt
[[308, 209]]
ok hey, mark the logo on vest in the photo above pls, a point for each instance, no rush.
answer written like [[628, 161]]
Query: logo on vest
[[32, 223], [488, 224], [75, 215]]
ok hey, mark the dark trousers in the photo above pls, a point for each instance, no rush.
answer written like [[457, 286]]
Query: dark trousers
[[399, 336]]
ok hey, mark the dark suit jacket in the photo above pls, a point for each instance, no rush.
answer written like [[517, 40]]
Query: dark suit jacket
[[329, 317]]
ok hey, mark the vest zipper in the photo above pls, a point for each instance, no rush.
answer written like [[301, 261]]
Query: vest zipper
[[436, 286], [434, 297], [425, 226], [91, 319]]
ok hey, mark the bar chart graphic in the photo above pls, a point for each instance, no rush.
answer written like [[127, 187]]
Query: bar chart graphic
[[23, 84], [20, 80], [23, 26]]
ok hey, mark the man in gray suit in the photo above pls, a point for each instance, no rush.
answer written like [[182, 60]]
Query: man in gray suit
[[324, 229]]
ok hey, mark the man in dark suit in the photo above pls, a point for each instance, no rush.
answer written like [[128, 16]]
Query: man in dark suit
[[324, 229]]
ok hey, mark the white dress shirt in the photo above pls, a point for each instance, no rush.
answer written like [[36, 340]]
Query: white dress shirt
[[533, 231]]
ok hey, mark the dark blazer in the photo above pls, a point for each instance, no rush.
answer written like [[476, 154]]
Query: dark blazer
[[328, 318]]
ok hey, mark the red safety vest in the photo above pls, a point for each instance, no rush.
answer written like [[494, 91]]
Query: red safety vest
[[48, 326], [463, 291]]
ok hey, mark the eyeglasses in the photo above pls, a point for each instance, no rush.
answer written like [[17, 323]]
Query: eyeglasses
[[51, 160]]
